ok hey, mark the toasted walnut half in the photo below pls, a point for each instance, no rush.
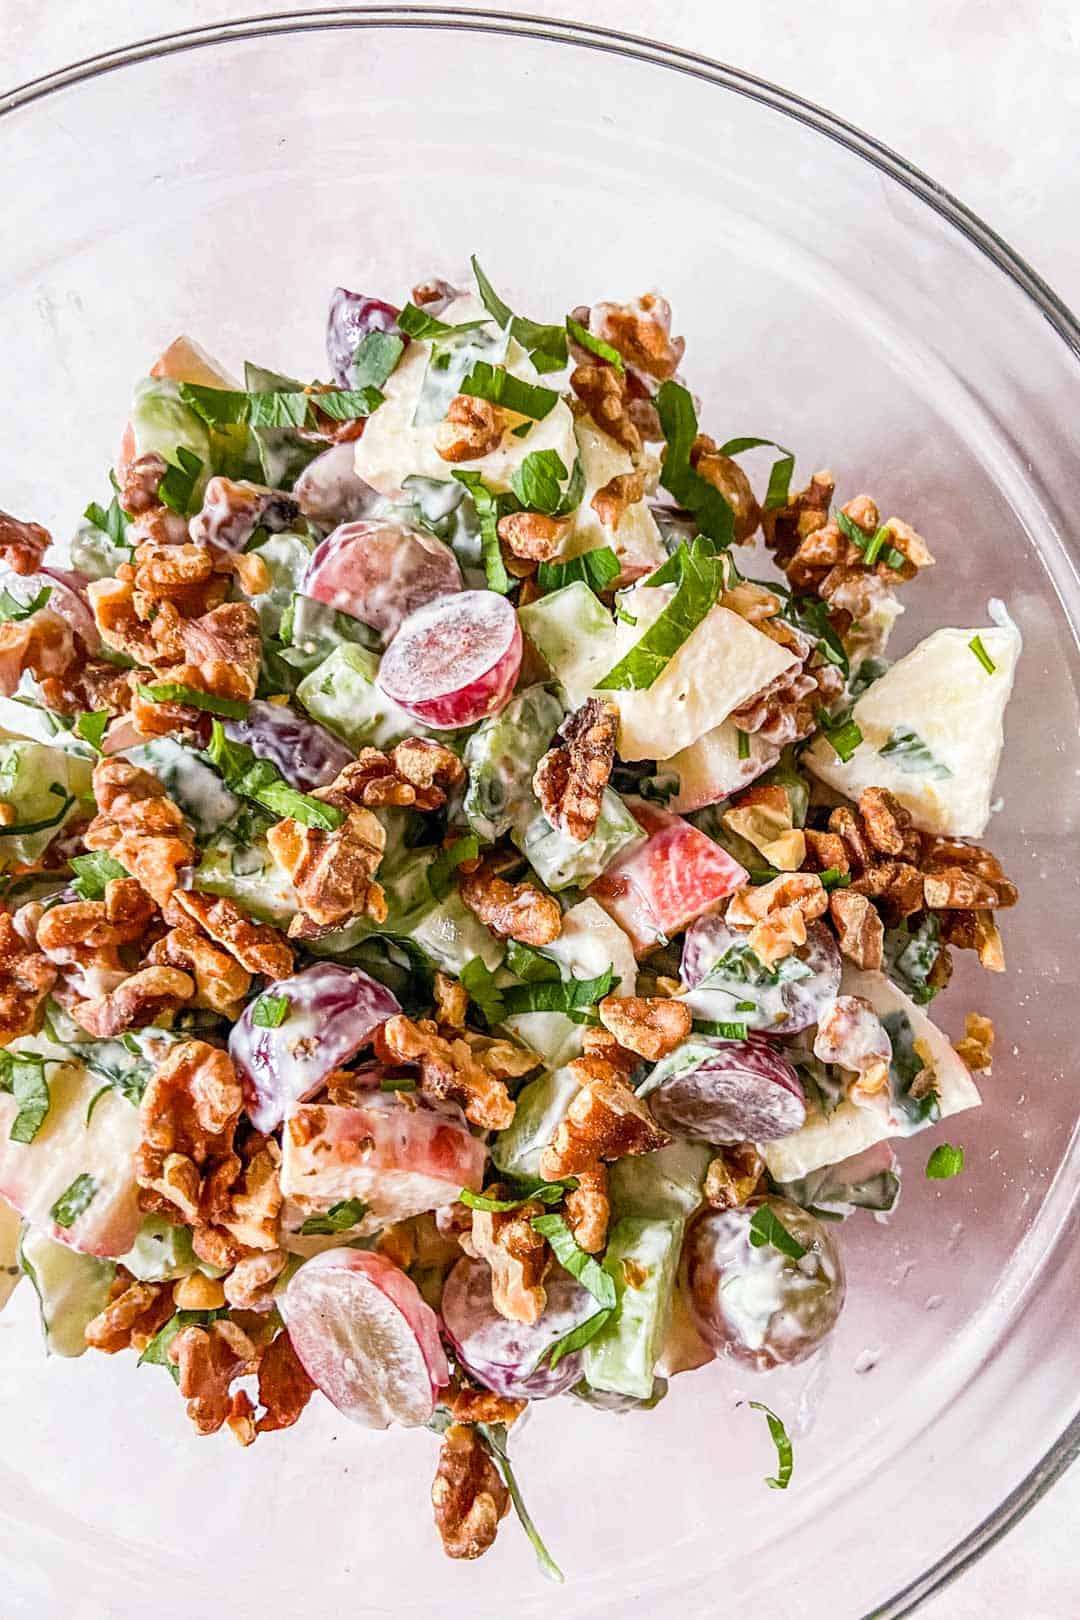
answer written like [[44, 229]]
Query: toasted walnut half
[[256, 946], [468, 1495], [518, 1256], [651, 1026], [777, 913], [606, 1120], [571, 778], [512, 911]]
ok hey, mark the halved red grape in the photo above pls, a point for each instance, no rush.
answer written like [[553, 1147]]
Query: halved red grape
[[759, 1304], [329, 490], [305, 754], [66, 599], [365, 1337], [454, 661], [351, 317], [717, 1090], [380, 572], [331, 1013], [724, 976], [506, 1356]]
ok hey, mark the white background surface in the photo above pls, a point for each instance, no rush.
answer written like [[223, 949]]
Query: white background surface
[[982, 94]]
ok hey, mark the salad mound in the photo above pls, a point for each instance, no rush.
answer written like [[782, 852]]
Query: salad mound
[[466, 938]]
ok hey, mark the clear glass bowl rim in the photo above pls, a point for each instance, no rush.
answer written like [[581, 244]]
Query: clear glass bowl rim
[[1066, 1448]]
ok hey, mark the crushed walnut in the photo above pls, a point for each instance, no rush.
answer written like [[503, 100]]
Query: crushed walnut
[[511, 911], [517, 1255], [651, 1026], [284, 1386], [535, 537], [572, 777], [188, 1116], [468, 1404], [256, 946], [640, 332], [776, 913], [208, 1360], [468, 1496], [605, 1120]]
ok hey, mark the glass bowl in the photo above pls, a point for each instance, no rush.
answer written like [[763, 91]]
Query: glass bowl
[[220, 182]]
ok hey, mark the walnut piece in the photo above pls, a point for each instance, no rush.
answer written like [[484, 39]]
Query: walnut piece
[[615, 498], [517, 1255], [416, 772], [187, 1117], [208, 1360], [42, 644], [533, 536], [333, 872], [850, 1033], [733, 1176], [249, 1285], [451, 1002], [284, 1386], [604, 393], [470, 1405], [640, 332], [218, 981], [859, 929], [449, 1069], [22, 545], [133, 1315], [140, 1000], [140, 826], [777, 913], [26, 977], [571, 778], [976, 1047], [256, 946], [511, 911], [605, 1120], [588, 1209], [468, 1496], [473, 428], [651, 1026], [763, 816]]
